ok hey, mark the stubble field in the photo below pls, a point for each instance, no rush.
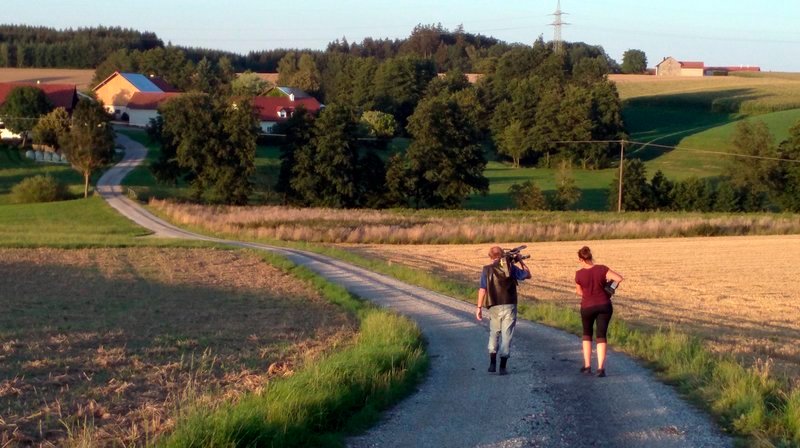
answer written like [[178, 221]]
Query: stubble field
[[80, 77], [99, 347], [737, 293]]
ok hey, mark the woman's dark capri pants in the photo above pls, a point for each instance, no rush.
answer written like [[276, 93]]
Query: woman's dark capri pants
[[600, 313]]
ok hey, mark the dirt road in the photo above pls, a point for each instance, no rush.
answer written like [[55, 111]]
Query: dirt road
[[543, 402]]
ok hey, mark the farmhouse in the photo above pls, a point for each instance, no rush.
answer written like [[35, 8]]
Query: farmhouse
[[117, 90], [143, 106], [59, 95], [280, 103], [670, 66]]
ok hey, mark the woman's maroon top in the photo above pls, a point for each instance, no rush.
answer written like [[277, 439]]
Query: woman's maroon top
[[591, 281]]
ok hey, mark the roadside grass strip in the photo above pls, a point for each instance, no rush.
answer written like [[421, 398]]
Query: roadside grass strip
[[340, 393], [748, 402]]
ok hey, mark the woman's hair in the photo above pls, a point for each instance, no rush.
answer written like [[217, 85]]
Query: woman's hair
[[585, 253]]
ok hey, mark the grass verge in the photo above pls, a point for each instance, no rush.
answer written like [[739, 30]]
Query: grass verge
[[339, 394], [748, 402]]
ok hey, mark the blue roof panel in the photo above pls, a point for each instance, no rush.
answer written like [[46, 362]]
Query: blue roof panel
[[141, 82]]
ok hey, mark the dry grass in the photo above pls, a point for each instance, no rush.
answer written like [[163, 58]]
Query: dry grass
[[98, 347], [409, 227], [81, 78], [737, 293]]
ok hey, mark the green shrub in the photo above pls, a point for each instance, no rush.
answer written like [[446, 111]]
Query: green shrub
[[41, 188]]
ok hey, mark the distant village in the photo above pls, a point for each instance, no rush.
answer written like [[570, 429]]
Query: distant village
[[134, 98]]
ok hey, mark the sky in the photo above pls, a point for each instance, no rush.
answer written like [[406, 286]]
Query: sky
[[765, 33]]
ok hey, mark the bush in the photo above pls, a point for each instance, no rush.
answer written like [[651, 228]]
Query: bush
[[38, 189]]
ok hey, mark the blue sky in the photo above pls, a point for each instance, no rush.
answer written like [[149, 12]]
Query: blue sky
[[717, 32]]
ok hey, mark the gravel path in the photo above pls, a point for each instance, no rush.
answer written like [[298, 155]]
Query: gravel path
[[544, 401]]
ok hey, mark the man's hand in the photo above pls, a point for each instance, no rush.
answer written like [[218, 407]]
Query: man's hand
[[479, 313]]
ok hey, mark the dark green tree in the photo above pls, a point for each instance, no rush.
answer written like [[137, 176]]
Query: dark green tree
[[634, 61], [726, 198], [326, 169], [789, 197], [299, 131], [22, 109], [528, 196], [444, 164], [759, 179], [661, 190], [214, 145], [692, 194], [51, 128], [635, 188], [89, 144]]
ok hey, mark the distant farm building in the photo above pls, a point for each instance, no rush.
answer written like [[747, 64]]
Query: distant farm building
[[673, 67], [670, 66], [143, 106], [59, 95], [279, 105], [117, 90]]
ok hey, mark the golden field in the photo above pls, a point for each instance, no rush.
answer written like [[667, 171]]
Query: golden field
[[753, 93], [80, 77], [737, 293]]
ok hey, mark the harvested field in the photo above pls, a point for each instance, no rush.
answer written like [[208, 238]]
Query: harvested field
[[99, 347], [80, 77], [737, 293]]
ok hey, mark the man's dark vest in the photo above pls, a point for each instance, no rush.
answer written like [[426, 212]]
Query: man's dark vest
[[501, 288]]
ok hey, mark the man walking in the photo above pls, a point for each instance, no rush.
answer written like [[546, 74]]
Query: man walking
[[498, 291]]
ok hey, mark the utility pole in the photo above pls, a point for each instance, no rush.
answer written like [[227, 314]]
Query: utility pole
[[558, 44], [621, 162]]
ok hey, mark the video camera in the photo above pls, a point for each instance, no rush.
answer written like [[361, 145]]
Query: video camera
[[514, 255]]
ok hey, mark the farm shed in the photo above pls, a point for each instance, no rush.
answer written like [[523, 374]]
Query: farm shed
[[117, 90], [670, 66], [143, 106]]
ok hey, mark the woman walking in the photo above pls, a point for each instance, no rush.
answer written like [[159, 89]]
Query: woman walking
[[591, 282]]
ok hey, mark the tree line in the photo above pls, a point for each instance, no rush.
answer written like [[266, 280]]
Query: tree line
[[42, 47], [765, 178]]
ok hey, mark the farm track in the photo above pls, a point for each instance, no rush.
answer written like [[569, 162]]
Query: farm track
[[543, 402]]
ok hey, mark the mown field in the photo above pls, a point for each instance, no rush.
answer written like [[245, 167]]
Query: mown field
[[101, 346], [81, 78], [730, 291]]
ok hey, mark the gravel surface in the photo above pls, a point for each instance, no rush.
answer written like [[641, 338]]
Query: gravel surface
[[543, 402]]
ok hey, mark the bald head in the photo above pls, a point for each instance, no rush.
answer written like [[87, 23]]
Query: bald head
[[495, 253]]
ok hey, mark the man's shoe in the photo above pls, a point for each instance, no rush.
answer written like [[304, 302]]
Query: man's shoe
[[492, 362], [503, 361]]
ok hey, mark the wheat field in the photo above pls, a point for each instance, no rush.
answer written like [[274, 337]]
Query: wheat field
[[737, 293], [80, 77]]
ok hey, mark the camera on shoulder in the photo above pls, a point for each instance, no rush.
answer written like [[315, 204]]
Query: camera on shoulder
[[515, 255]]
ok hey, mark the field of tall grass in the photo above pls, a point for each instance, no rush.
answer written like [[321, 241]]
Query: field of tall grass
[[454, 227]]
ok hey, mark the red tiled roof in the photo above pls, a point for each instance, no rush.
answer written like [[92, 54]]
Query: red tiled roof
[[149, 100], [60, 95], [690, 64], [268, 107]]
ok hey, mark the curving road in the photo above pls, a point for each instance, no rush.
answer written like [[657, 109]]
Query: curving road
[[544, 402]]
